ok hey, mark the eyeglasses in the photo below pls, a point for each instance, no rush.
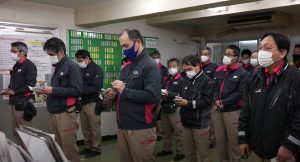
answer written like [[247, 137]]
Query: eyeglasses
[[12, 51]]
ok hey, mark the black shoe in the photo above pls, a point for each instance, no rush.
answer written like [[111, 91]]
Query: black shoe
[[158, 138], [84, 151], [178, 157], [164, 153], [92, 154], [211, 146]]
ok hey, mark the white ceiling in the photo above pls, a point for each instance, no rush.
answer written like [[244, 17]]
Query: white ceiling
[[220, 22], [69, 3]]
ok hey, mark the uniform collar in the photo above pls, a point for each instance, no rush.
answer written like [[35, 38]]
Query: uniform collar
[[21, 61], [276, 70], [61, 62], [139, 57], [234, 67], [175, 77], [246, 65], [206, 63]]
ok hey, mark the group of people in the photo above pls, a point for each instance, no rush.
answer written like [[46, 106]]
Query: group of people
[[73, 87], [248, 107]]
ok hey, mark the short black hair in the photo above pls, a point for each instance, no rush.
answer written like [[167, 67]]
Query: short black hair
[[282, 41], [22, 47], [246, 52], [133, 34], [83, 54], [236, 50], [54, 44], [297, 46], [208, 49], [191, 60], [154, 53], [174, 60]]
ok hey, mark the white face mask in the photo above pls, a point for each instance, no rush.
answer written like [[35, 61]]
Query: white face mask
[[265, 58], [191, 74], [204, 58], [14, 57], [82, 65], [254, 62], [173, 71], [246, 61], [54, 60], [227, 60], [157, 61]]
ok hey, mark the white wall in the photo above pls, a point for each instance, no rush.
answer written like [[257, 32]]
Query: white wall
[[63, 18], [167, 46], [37, 14]]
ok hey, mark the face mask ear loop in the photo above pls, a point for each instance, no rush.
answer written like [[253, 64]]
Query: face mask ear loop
[[279, 57]]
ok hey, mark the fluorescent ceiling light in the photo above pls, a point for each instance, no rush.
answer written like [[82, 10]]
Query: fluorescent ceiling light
[[218, 9]]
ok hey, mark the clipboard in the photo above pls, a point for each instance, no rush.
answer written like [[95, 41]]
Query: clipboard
[[17, 153], [38, 141]]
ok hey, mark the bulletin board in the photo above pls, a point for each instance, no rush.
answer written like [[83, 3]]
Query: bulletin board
[[34, 37], [105, 50]]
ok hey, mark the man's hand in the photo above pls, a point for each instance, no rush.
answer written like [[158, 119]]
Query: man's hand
[[110, 93], [285, 155], [47, 90], [7, 92], [245, 150], [219, 105], [180, 101], [118, 85]]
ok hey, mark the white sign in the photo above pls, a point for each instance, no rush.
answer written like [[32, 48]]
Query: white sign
[[151, 42]]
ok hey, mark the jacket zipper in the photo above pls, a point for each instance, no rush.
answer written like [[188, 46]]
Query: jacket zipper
[[275, 99]]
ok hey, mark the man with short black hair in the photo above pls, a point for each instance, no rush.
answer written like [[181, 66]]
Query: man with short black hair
[[156, 57], [254, 61], [195, 98], [22, 79], [269, 123], [230, 85], [92, 77], [245, 59], [65, 88], [170, 112], [137, 92]]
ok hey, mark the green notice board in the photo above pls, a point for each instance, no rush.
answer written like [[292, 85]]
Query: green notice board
[[105, 50]]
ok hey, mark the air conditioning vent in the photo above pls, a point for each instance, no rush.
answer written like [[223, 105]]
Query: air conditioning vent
[[270, 19]]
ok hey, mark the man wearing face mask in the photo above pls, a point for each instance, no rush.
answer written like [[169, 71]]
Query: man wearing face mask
[[170, 116], [137, 92], [254, 61], [230, 85], [92, 77], [195, 98], [296, 57], [66, 87], [163, 70], [209, 69], [246, 60], [23, 79], [269, 120], [164, 73]]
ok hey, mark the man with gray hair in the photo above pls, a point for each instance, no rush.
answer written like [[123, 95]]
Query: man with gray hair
[[22, 79]]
